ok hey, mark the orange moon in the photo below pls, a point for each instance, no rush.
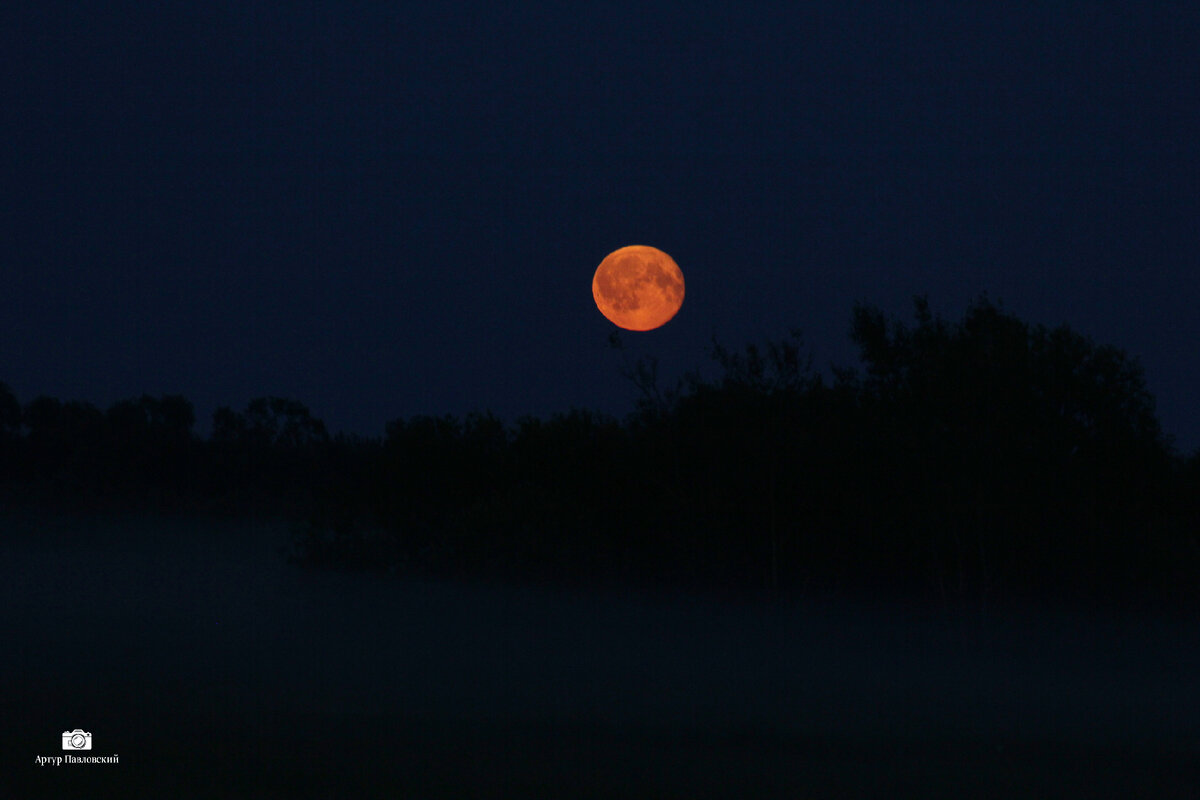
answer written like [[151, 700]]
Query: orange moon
[[639, 288]]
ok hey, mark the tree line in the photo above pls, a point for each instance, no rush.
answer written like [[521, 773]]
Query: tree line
[[967, 460]]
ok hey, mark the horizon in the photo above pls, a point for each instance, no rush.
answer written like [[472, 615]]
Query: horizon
[[630, 349]]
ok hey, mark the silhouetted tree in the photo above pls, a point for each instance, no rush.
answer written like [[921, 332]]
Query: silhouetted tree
[[149, 441], [654, 400], [12, 453], [64, 445], [228, 426], [418, 483], [1010, 448], [739, 452], [10, 412], [165, 419], [572, 471], [272, 450], [282, 422]]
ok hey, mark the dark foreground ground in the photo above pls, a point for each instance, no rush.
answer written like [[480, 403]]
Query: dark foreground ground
[[215, 670], [324, 756]]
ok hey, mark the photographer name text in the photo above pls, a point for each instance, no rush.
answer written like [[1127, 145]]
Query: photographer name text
[[58, 761]]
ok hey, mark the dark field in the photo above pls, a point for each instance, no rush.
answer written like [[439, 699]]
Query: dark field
[[216, 670]]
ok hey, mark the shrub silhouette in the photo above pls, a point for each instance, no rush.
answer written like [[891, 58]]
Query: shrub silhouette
[[962, 460], [1035, 453]]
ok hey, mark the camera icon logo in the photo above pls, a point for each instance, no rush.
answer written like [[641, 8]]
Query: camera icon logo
[[77, 739]]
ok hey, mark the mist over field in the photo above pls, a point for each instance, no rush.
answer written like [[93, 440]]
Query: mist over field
[[127, 621]]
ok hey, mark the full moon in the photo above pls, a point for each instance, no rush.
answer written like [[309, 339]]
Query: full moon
[[639, 288]]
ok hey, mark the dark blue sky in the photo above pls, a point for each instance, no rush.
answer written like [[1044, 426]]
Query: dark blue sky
[[382, 209]]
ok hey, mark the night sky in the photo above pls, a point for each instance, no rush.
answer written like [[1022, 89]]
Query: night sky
[[388, 209]]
